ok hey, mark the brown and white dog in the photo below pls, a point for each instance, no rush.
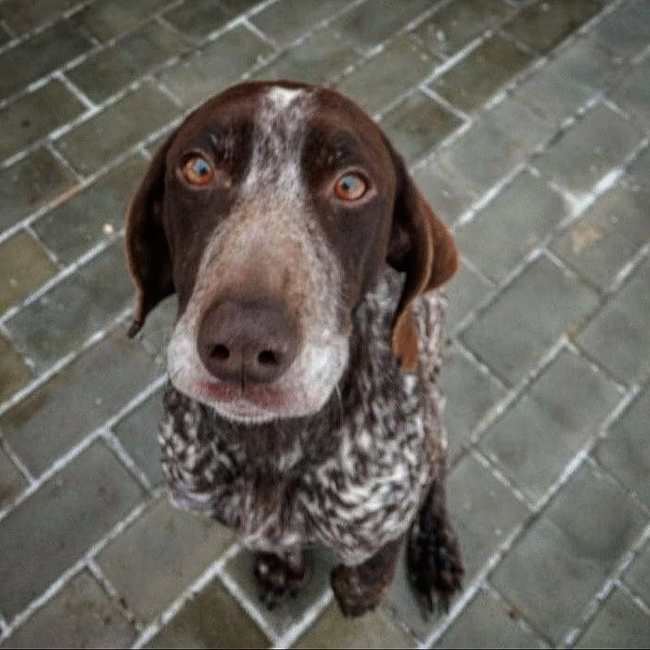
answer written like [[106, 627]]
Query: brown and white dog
[[303, 404]]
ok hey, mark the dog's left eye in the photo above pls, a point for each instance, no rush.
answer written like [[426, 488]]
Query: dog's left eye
[[350, 187], [198, 171]]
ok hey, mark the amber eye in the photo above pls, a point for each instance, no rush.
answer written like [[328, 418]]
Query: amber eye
[[198, 171], [350, 187]]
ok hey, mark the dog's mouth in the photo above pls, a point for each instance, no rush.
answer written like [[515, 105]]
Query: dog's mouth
[[250, 404]]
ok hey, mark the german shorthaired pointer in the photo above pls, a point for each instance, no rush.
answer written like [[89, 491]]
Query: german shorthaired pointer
[[303, 404]]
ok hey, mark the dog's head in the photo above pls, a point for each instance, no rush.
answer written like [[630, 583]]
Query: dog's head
[[270, 212]]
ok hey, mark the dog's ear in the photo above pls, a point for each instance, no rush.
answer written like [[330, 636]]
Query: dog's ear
[[147, 251], [422, 247]]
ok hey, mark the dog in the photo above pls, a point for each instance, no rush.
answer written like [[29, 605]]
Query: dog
[[303, 404]]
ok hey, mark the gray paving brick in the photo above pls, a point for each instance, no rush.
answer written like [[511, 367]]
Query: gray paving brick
[[374, 630], [77, 400], [472, 81], [626, 30], [637, 577], [213, 619], [92, 216], [620, 623], [81, 615], [465, 291], [157, 557], [487, 622], [510, 226], [35, 115], [494, 145], [216, 66], [117, 128], [60, 522], [625, 451], [614, 228], [623, 321], [384, 77], [236, 7], [633, 93], [527, 317], [290, 611], [286, 20], [24, 267], [588, 150], [40, 55], [68, 313], [535, 440], [14, 372], [29, 184], [12, 482], [544, 24], [417, 124], [457, 23], [106, 72], [197, 19], [574, 546], [21, 16], [470, 393], [138, 433]]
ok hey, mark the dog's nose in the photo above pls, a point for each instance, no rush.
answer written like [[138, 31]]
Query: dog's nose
[[241, 342]]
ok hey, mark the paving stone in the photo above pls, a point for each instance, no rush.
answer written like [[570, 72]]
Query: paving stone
[[106, 72], [637, 577], [106, 20], [365, 28], [35, 115], [102, 380], [613, 229], [92, 216], [623, 320], [39, 55], [60, 522], [417, 124], [14, 372], [465, 291], [12, 482], [81, 615], [21, 16], [510, 226], [284, 21], [24, 267], [470, 83], [374, 630], [291, 611], [544, 24], [494, 145], [384, 77], [620, 623], [138, 433], [160, 555], [319, 57], [457, 23], [197, 19], [215, 67], [236, 7], [117, 128], [73, 309], [535, 440], [527, 317], [588, 150], [487, 622], [625, 452], [470, 393], [29, 184], [575, 545], [633, 94], [213, 619], [626, 30]]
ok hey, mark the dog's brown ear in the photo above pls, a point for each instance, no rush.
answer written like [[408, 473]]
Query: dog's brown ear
[[147, 251], [422, 247]]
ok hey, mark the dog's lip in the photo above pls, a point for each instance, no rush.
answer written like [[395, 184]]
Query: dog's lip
[[244, 402]]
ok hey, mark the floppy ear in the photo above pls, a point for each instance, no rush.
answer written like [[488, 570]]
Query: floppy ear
[[422, 247], [147, 251]]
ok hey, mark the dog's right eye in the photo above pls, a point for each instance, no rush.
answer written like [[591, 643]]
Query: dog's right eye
[[198, 171]]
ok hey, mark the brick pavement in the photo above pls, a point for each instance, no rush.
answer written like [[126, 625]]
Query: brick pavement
[[526, 124]]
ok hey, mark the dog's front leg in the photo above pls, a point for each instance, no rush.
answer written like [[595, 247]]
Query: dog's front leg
[[359, 589], [279, 575]]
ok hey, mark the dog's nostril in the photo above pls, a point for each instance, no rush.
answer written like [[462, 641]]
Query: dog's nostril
[[220, 352], [267, 358]]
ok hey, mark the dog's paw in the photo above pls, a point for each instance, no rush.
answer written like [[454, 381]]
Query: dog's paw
[[354, 597], [277, 578]]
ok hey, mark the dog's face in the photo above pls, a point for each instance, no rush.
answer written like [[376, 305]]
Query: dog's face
[[270, 212]]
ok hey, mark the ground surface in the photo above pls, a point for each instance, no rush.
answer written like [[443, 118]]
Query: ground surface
[[526, 124]]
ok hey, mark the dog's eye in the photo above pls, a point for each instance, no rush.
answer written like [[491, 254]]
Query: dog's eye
[[198, 171], [350, 187]]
